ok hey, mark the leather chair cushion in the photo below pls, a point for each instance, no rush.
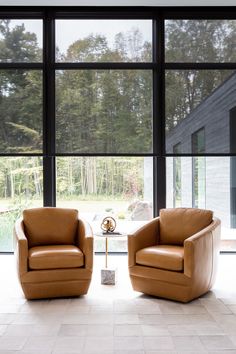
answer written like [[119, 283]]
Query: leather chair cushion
[[55, 257], [180, 223], [50, 226], [163, 257]]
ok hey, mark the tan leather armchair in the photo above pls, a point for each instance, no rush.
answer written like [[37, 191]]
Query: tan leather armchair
[[54, 253], [175, 255]]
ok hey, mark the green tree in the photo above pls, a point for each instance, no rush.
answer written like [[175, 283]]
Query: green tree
[[20, 91], [105, 111], [195, 41]]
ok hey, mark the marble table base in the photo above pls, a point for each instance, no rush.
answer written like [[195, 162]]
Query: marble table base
[[108, 276]]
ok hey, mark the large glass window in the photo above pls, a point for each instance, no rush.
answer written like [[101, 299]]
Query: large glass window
[[217, 194], [120, 187], [200, 85], [21, 111], [21, 121], [196, 98], [200, 40], [85, 90], [104, 40], [21, 41], [100, 111], [21, 186]]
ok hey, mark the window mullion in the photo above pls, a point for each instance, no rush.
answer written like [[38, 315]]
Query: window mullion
[[49, 111]]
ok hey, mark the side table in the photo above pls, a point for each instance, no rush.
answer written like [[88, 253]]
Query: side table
[[108, 274]]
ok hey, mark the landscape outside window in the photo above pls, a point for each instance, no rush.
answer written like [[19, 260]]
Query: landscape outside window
[[21, 186], [198, 105], [97, 111], [21, 178], [105, 111], [108, 118], [120, 187], [104, 40], [100, 111]]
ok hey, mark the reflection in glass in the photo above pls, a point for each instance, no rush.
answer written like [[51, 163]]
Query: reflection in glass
[[196, 99], [200, 41], [21, 111], [21, 186], [120, 187], [104, 40], [21, 41], [101, 111]]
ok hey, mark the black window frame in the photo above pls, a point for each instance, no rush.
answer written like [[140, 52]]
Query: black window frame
[[158, 66]]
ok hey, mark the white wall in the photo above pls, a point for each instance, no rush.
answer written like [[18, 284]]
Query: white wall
[[118, 2]]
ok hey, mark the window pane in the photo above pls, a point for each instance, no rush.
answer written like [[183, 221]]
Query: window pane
[[21, 41], [101, 111], [211, 185], [199, 182], [200, 40], [20, 111], [177, 176], [201, 99], [21, 186], [100, 186], [104, 40], [198, 141]]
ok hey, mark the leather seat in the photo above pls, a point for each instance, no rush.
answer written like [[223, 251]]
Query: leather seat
[[54, 251], [160, 256], [55, 257], [175, 255]]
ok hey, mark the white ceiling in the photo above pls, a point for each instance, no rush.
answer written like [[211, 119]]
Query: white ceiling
[[118, 2]]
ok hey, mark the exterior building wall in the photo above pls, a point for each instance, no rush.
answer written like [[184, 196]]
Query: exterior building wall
[[169, 183], [186, 181], [218, 187], [213, 114]]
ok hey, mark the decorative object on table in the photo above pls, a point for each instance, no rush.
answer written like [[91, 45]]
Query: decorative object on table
[[108, 224]]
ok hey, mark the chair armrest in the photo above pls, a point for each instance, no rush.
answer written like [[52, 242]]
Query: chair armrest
[[201, 251], [21, 247], [85, 242], [146, 236]]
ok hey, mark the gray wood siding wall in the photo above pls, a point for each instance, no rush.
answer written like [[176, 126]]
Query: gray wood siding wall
[[213, 115]]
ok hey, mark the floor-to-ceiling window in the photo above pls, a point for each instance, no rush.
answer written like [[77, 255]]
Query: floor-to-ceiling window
[[103, 110], [21, 121], [200, 93]]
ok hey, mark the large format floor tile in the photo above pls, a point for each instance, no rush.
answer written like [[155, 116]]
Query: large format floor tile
[[117, 320]]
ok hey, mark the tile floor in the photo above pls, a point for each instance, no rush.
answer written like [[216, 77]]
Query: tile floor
[[114, 319]]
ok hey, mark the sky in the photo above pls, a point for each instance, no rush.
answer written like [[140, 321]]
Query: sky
[[68, 31]]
